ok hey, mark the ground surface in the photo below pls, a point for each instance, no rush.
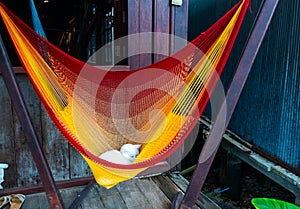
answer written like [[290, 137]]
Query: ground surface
[[253, 184]]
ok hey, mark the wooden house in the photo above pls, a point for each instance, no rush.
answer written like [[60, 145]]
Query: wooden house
[[53, 174]]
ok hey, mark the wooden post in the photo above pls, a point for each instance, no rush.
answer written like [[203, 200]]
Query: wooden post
[[233, 176], [214, 139], [13, 89]]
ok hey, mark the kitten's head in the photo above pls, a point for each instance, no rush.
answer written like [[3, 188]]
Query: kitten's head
[[130, 151]]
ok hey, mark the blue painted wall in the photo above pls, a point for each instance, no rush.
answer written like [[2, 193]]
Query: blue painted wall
[[268, 112]]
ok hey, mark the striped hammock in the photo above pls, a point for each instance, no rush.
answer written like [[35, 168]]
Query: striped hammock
[[99, 110]]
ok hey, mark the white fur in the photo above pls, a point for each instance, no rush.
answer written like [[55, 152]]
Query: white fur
[[126, 155]]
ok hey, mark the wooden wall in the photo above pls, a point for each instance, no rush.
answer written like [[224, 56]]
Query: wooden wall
[[64, 161], [155, 16], [159, 17]]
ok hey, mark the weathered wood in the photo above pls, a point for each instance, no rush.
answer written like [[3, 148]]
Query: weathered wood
[[7, 137], [203, 201], [145, 25], [161, 25], [180, 24], [17, 70], [27, 173], [82, 195], [133, 196], [139, 21], [56, 148], [174, 183], [93, 200], [53, 196], [32, 189], [166, 186], [133, 27], [69, 195], [111, 198], [64, 161], [153, 194], [155, 16], [149, 193], [37, 201], [78, 166]]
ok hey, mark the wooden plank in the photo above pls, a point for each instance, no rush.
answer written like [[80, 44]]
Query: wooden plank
[[39, 200], [69, 195], [180, 24], [120, 30], [174, 183], [17, 70], [133, 196], [27, 173], [36, 201], [7, 137], [56, 148], [111, 198], [33, 189], [78, 166], [145, 25], [153, 194], [133, 27], [93, 200], [202, 202], [139, 21], [166, 186], [161, 21]]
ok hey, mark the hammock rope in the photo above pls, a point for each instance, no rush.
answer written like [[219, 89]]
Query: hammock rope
[[98, 110]]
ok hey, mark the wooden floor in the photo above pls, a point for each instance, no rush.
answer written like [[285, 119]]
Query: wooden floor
[[144, 193]]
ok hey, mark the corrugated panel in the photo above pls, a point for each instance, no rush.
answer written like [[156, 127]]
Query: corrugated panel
[[268, 113]]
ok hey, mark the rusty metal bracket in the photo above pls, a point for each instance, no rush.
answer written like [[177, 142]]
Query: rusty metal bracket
[[52, 193], [214, 139]]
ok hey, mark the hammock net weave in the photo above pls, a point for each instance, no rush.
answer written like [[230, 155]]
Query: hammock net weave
[[99, 110]]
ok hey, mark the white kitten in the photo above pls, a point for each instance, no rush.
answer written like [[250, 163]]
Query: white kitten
[[126, 155]]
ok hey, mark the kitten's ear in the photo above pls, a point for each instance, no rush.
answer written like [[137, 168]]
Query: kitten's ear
[[137, 146]]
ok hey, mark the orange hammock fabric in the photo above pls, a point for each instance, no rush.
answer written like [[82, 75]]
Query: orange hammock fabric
[[99, 110]]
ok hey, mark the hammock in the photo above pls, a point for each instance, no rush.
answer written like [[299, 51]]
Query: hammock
[[85, 101]]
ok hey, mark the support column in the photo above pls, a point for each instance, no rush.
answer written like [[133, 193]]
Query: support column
[[244, 67], [233, 176], [53, 195]]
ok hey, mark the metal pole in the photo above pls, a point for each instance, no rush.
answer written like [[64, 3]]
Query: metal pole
[[214, 139], [53, 195]]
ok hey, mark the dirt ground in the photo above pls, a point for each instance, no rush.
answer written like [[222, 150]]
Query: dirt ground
[[253, 184]]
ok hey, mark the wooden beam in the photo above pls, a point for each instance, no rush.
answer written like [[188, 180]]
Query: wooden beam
[[17, 70], [214, 139], [39, 188], [13, 89]]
